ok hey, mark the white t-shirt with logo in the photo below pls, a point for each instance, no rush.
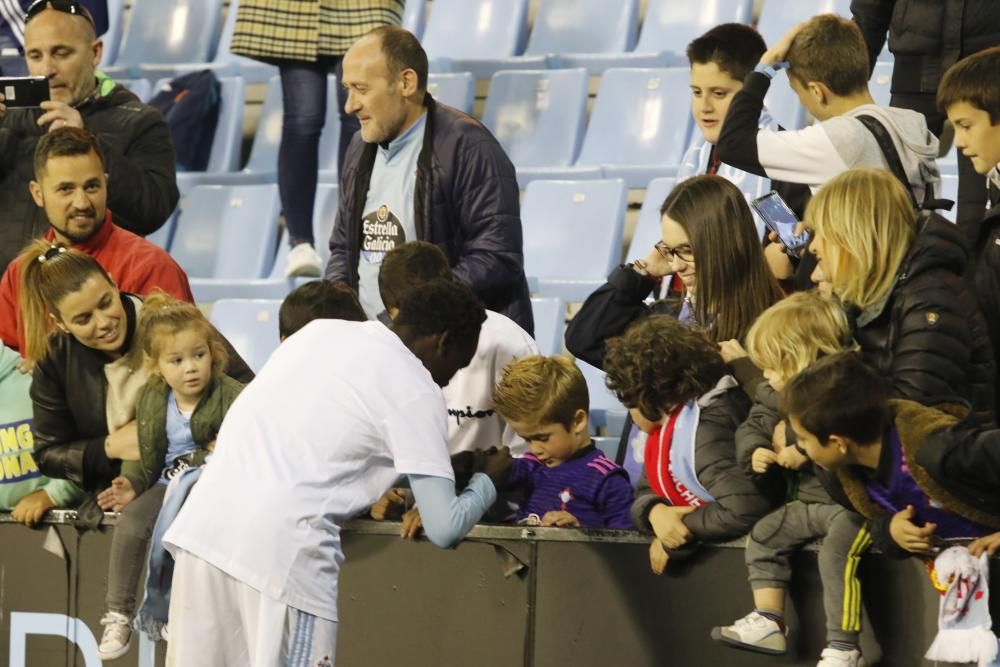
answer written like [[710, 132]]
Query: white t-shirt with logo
[[339, 411], [387, 220], [472, 422]]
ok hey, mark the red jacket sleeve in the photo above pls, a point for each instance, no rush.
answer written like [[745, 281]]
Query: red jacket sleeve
[[10, 320]]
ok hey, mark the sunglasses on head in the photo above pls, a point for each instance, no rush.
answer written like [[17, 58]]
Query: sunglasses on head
[[65, 6]]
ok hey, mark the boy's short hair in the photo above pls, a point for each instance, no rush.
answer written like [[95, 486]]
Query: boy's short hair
[[735, 48], [660, 363], [975, 80], [541, 390], [839, 395], [407, 266], [442, 306], [318, 300], [830, 50], [796, 331]]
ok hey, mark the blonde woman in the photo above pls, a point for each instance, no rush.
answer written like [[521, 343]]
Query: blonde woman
[[900, 278]]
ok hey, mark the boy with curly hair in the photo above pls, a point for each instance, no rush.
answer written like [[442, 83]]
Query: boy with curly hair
[[678, 389]]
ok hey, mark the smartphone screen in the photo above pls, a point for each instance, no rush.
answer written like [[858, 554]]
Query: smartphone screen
[[781, 220], [24, 91]]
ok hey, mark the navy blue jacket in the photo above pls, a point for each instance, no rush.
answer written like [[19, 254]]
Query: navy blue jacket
[[466, 201]]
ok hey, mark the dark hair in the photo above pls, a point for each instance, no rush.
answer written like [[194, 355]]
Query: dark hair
[[49, 273], [402, 51], [734, 283], [409, 266], [830, 50], [736, 49], [839, 395], [318, 300], [65, 142], [975, 80], [659, 363], [441, 306]]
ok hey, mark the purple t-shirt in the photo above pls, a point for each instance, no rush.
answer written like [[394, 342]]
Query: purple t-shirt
[[903, 490], [590, 486]]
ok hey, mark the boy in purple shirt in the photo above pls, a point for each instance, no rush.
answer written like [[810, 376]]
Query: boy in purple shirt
[[569, 482], [916, 473]]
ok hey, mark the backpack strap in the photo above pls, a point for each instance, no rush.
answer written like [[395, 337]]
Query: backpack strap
[[889, 152], [891, 155]]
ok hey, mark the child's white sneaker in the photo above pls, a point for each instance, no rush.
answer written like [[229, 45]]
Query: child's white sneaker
[[303, 260], [832, 657], [117, 636], [753, 632]]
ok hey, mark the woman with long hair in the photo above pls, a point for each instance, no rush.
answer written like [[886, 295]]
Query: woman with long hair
[[900, 275], [710, 240]]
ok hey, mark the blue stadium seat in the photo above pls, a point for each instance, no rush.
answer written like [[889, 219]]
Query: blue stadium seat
[[640, 124], [225, 152], [607, 445], [670, 25], [583, 33], [550, 321], [225, 236], [477, 36], [539, 118], [880, 83], [141, 88], [112, 38], [776, 18], [165, 234], [556, 216], [414, 16], [949, 163], [250, 325], [602, 400], [647, 227], [457, 89], [225, 63], [329, 141], [324, 215], [163, 33]]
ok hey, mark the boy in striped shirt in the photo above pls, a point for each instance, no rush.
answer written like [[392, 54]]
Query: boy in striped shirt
[[568, 481]]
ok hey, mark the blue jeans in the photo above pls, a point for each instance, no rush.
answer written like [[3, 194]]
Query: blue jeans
[[303, 90]]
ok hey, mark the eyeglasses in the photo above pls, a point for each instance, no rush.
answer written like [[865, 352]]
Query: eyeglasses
[[65, 6], [684, 253]]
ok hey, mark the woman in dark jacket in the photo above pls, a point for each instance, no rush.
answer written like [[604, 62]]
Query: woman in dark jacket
[[901, 279], [711, 241], [679, 391], [86, 377]]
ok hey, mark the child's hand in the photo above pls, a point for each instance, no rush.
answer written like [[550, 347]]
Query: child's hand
[[561, 519], [762, 459], [907, 535], [791, 458], [496, 464], [658, 557], [668, 524], [30, 509], [412, 524], [390, 505], [731, 350], [987, 543], [117, 496]]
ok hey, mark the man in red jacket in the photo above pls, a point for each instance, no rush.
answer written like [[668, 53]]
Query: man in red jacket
[[71, 186]]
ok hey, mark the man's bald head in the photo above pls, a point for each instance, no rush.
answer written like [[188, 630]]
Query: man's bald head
[[64, 48]]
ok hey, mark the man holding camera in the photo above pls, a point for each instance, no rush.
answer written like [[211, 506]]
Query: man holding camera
[[60, 44]]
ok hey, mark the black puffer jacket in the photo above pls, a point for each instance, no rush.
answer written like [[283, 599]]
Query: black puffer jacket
[[926, 37], [69, 396], [986, 280], [928, 336], [138, 156], [466, 202], [738, 504]]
